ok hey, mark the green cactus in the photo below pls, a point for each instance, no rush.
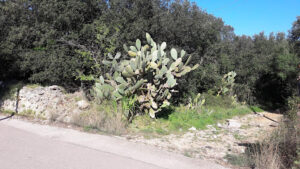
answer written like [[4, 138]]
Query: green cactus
[[196, 102], [227, 84], [149, 75]]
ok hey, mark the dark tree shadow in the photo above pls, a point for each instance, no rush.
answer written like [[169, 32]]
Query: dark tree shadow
[[164, 114], [272, 92], [4, 89]]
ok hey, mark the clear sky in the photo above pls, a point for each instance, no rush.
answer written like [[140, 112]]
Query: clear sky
[[250, 17]]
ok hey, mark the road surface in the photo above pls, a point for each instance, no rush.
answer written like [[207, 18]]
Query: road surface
[[24, 145]]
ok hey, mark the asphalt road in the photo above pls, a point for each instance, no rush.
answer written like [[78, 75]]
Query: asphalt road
[[31, 146]]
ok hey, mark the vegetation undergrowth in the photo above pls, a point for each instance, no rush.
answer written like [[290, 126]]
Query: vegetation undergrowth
[[279, 150], [106, 118], [181, 118]]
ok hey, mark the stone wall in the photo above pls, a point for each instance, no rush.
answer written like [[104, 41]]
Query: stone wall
[[49, 103]]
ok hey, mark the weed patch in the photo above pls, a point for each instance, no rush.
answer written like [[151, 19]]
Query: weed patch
[[184, 118], [106, 117]]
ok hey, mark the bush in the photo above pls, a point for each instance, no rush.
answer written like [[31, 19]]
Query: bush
[[293, 107], [218, 101], [51, 66]]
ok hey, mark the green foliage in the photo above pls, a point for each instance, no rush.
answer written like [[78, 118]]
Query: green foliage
[[196, 102], [294, 36], [39, 40], [50, 66], [148, 75], [286, 65], [293, 107], [182, 118], [297, 160], [129, 106], [218, 101], [256, 109]]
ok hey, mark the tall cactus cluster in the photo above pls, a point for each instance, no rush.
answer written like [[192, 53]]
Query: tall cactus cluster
[[149, 74]]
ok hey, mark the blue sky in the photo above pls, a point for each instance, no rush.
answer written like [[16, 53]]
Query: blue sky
[[250, 17]]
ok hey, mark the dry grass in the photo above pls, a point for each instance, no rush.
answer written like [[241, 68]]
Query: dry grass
[[266, 156], [277, 151], [107, 118]]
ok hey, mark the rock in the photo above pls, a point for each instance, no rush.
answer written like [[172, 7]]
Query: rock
[[41, 92], [67, 119], [82, 104], [274, 125], [54, 87], [192, 129], [233, 124], [219, 125], [208, 147]]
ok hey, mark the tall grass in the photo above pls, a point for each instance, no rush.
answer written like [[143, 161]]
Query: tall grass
[[107, 117], [280, 150]]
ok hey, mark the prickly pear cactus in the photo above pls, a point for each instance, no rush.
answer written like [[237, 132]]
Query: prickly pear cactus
[[150, 74], [227, 83]]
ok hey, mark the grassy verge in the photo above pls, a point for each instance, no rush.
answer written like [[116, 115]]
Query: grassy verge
[[182, 118], [107, 118]]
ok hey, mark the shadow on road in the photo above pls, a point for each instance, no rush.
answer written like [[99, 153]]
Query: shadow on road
[[7, 117]]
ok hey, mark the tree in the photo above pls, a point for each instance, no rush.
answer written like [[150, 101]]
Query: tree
[[295, 35]]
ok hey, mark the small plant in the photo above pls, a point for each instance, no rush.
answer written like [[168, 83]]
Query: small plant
[[293, 108], [129, 106], [297, 161], [196, 102], [238, 160], [33, 86]]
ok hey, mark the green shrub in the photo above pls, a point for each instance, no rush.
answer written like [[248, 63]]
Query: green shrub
[[293, 107], [218, 101]]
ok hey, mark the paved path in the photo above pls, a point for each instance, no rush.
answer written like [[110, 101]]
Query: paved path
[[31, 146]]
